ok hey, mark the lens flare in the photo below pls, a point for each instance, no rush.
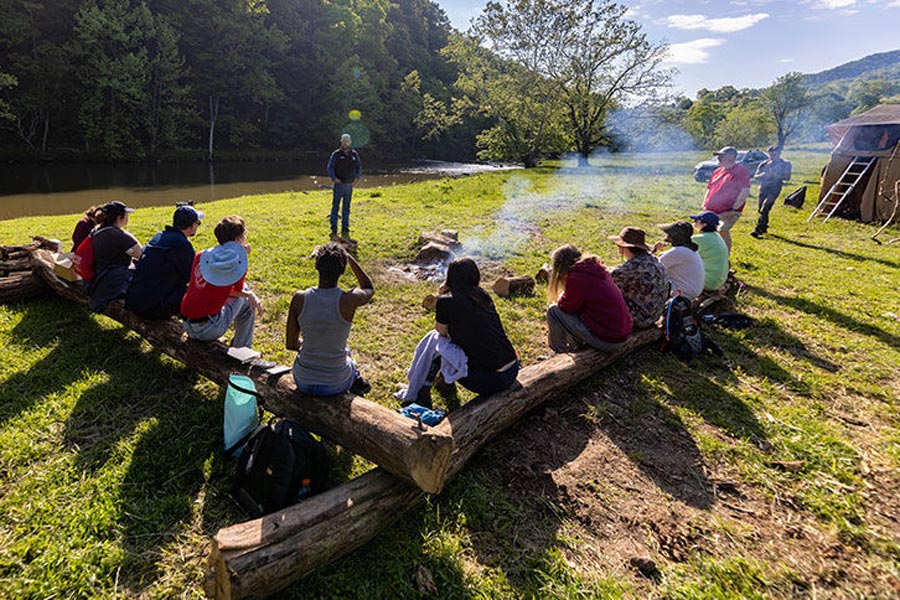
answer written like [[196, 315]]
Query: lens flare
[[355, 115], [359, 132], [357, 72]]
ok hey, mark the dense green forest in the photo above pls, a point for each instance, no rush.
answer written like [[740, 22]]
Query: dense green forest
[[147, 79]]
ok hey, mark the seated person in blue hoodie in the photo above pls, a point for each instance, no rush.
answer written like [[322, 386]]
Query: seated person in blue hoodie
[[161, 276]]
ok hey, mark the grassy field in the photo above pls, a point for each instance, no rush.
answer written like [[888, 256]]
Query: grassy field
[[776, 477]]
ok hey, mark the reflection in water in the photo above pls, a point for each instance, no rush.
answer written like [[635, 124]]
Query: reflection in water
[[56, 189]]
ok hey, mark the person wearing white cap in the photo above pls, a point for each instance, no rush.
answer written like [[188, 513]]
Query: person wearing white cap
[[727, 191], [161, 275], [216, 296], [344, 168]]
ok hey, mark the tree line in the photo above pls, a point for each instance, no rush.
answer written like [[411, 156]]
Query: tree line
[[143, 79]]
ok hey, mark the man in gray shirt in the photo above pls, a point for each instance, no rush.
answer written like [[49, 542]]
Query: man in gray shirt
[[770, 174]]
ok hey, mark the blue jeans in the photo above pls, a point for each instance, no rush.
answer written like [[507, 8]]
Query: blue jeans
[[237, 310], [321, 389], [483, 381], [343, 193]]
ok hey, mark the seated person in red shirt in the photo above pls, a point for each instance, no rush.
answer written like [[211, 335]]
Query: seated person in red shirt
[[216, 295], [586, 306], [85, 226]]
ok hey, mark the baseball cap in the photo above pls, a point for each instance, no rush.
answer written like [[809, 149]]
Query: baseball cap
[[185, 216], [116, 209], [708, 217], [726, 150]]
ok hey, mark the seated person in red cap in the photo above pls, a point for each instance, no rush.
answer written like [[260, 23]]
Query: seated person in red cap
[[641, 278], [114, 250], [712, 249], [216, 296], [161, 275], [586, 307], [683, 264]]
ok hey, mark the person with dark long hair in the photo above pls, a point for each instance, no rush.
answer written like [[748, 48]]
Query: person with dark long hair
[[585, 305], [466, 315], [114, 251]]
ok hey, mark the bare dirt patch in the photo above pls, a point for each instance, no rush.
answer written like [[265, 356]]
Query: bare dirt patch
[[629, 482]]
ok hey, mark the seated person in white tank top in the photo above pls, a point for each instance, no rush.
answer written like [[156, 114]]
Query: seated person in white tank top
[[322, 316]]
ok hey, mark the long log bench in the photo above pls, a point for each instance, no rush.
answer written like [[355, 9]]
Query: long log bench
[[417, 454]]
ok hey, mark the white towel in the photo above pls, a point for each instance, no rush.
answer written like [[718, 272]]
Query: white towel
[[454, 364]]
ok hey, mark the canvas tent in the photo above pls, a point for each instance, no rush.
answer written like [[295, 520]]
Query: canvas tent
[[873, 134]]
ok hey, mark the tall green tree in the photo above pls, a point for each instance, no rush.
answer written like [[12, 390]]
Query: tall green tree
[[786, 100], [746, 126], [606, 61]]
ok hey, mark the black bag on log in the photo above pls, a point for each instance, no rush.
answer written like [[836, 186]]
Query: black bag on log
[[280, 465], [796, 198]]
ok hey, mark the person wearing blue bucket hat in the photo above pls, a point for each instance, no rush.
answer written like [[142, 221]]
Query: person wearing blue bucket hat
[[217, 296]]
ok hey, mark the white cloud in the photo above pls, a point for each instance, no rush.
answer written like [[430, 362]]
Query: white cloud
[[692, 53], [719, 25], [785, 60], [833, 4]]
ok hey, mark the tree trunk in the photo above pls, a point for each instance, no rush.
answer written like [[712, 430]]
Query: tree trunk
[[530, 161], [583, 160], [262, 556], [213, 116], [22, 285], [371, 430]]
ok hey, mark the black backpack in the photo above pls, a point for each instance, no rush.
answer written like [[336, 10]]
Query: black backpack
[[280, 465], [683, 334]]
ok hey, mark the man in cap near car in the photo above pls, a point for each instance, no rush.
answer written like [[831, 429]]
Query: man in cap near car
[[161, 276], [344, 168], [683, 264], [712, 249], [771, 175], [217, 296], [641, 278], [727, 191]]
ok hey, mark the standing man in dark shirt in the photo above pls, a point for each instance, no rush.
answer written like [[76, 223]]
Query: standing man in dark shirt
[[161, 276], [344, 168], [770, 174]]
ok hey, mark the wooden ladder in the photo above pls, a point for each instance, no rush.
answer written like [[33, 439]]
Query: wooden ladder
[[844, 186]]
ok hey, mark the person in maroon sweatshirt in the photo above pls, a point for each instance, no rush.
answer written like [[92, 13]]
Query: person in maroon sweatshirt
[[586, 306]]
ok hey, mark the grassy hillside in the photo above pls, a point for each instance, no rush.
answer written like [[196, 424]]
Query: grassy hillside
[[884, 65], [774, 474]]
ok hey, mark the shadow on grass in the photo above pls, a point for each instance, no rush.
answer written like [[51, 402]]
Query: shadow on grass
[[834, 252], [144, 428], [829, 314]]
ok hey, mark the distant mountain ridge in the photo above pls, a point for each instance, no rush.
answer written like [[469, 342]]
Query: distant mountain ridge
[[883, 64]]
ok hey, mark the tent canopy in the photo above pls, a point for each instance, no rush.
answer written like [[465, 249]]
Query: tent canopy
[[884, 114]]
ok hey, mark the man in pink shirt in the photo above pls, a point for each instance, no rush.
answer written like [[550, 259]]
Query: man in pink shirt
[[727, 191]]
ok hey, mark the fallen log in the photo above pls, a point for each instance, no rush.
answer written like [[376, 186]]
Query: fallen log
[[371, 430], [9, 265], [260, 557], [514, 286], [19, 286]]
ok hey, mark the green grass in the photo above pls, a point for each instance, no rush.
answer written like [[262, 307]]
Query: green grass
[[111, 477]]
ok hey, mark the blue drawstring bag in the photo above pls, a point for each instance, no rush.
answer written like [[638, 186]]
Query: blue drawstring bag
[[429, 416], [242, 415]]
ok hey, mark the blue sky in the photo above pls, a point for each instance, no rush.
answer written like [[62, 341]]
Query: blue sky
[[748, 43]]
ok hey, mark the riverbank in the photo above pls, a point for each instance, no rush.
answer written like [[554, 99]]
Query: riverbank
[[56, 189], [777, 477]]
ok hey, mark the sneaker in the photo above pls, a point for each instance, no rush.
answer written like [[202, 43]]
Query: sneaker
[[345, 233], [756, 234], [360, 387]]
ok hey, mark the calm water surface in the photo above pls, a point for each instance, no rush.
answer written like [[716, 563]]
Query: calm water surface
[[57, 189]]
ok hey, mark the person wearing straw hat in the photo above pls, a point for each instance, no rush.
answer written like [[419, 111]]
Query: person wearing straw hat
[[641, 278], [344, 168], [161, 275], [217, 296], [727, 191], [683, 264]]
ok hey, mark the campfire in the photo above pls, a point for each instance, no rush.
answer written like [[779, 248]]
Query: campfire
[[436, 253]]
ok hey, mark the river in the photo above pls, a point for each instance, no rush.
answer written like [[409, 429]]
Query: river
[[55, 189]]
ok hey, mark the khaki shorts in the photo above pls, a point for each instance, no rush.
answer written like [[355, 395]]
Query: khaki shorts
[[727, 220]]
